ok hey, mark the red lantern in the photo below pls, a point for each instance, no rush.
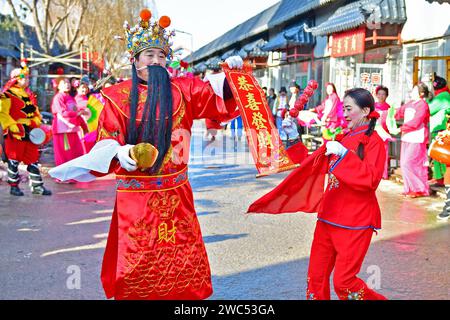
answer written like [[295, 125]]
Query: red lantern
[[293, 113], [303, 99], [300, 103], [313, 84], [60, 71], [308, 92]]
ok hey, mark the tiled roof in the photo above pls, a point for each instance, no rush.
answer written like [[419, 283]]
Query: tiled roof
[[361, 12], [277, 14], [292, 36], [289, 9]]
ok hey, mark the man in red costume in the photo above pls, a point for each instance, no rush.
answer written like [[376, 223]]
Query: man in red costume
[[19, 114], [155, 248], [348, 211]]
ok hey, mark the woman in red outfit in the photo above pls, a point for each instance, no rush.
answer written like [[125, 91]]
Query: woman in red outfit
[[348, 211]]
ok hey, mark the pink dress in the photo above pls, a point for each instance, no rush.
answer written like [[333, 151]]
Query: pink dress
[[331, 112], [382, 109], [67, 129], [413, 157]]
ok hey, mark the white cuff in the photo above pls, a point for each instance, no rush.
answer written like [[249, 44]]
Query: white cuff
[[216, 80]]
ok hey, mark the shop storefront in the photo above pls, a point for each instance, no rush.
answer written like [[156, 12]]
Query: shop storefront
[[292, 56], [365, 49]]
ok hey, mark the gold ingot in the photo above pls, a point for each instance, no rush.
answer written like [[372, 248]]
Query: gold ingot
[[144, 154]]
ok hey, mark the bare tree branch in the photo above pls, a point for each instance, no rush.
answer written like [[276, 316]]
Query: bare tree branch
[[17, 20], [77, 28]]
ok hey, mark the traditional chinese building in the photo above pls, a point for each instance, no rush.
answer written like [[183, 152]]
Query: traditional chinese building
[[389, 42], [348, 42]]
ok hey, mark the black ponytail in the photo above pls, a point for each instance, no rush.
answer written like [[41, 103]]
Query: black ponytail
[[368, 133]]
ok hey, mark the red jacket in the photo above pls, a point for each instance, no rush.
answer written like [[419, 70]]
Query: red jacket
[[349, 199]]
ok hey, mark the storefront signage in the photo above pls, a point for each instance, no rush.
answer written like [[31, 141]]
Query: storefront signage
[[348, 43]]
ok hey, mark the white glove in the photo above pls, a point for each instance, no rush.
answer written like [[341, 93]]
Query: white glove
[[123, 154], [334, 147], [235, 62]]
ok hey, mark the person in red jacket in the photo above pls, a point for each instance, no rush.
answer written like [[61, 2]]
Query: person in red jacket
[[19, 116], [348, 211]]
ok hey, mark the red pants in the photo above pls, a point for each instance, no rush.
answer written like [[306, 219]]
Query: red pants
[[24, 151], [342, 250]]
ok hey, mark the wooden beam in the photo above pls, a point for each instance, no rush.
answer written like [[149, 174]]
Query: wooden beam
[[415, 71]]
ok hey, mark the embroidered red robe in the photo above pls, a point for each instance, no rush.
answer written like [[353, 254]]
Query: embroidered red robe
[[155, 248]]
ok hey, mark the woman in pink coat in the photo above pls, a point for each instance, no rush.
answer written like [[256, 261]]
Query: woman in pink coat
[[415, 135], [330, 112], [67, 124]]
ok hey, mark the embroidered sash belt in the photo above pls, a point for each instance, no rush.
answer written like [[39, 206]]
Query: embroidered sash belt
[[129, 183]]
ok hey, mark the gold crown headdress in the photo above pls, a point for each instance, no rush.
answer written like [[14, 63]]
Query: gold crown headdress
[[147, 34]]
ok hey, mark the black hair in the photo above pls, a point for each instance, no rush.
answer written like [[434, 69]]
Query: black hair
[[363, 99], [158, 132], [439, 83], [381, 87], [294, 84]]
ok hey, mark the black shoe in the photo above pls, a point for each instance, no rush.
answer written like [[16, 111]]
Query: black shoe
[[444, 215], [40, 190], [15, 191]]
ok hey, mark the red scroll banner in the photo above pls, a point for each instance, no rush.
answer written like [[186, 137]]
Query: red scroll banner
[[267, 149]]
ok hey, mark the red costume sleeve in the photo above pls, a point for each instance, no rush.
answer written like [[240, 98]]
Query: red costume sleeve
[[302, 190], [362, 175], [204, 103], [112, 124], [298, 152]]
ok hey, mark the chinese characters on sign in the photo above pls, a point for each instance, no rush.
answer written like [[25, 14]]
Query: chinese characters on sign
[[348, 43], [265, 144], [370, 79]]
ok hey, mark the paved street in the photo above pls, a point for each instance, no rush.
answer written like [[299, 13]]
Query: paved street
[[252, 256]]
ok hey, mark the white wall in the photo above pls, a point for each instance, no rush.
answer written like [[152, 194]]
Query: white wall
[[426, 20]]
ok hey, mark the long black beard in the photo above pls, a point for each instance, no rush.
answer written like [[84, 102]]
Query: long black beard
[[159, 101]]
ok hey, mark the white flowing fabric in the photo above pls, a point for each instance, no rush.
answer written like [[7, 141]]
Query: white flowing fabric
[[98, 159]]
